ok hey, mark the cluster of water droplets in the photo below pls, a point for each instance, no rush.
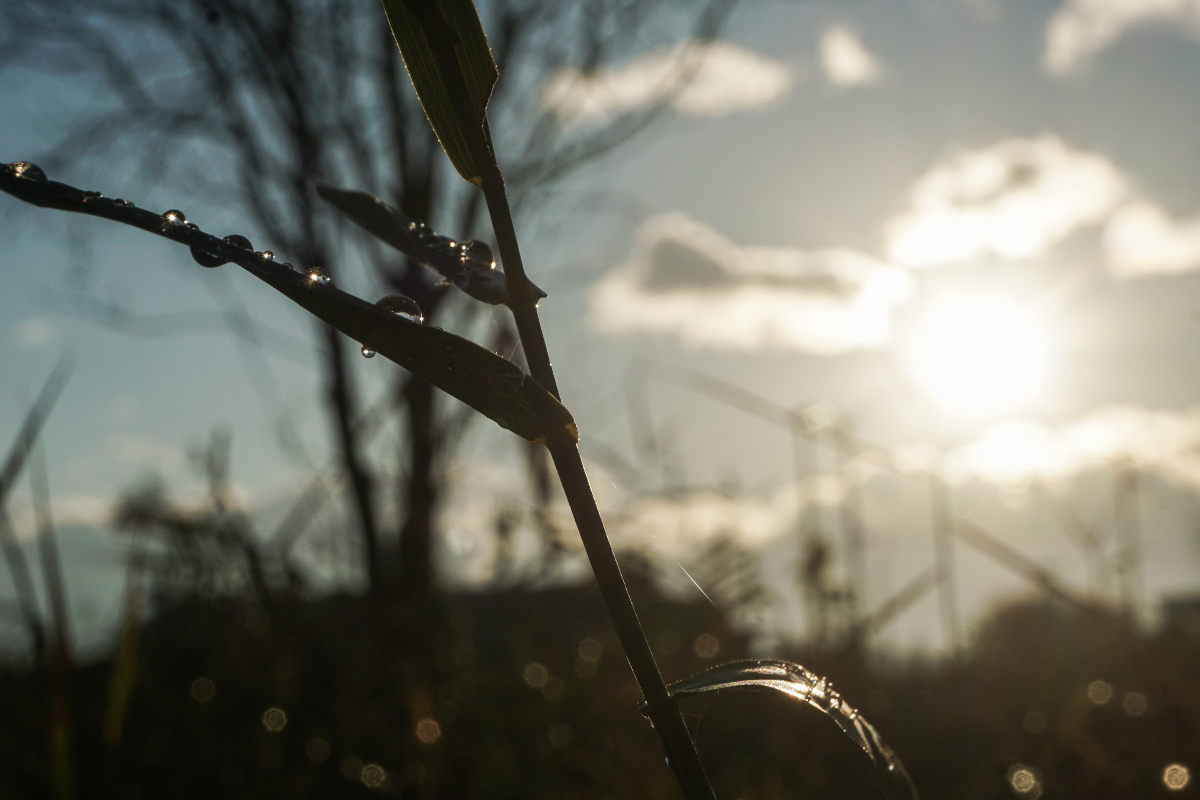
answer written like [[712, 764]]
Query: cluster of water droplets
[[400, 305], [468, 265]]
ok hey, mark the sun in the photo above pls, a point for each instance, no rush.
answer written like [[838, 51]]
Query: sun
[[978, 356]]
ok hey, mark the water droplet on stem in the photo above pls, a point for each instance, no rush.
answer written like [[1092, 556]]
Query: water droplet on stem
[[28, 170], [319, 277], [367, 352], [172, 219], [477, 255]]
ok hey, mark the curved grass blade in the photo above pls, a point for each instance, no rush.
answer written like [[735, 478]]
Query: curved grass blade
[[436, 38], [488, 383], [795, 681]]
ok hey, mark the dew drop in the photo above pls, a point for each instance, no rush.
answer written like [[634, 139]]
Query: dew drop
[[119, 203], [402, 306], [267, 255], [28, 170], [319, 277], [477, 255], [239, 241], [191, 226], [367, 352], [172, 219], [288, 265], [206, 259], [89, 196], [419, 231], [447, 242]]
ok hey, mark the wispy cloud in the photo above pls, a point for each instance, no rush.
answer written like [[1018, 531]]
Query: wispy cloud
[[707, 79], [1082, 28], [686, 280], [1141, 239], [1013, 199], [1167, 442], [845, 60]]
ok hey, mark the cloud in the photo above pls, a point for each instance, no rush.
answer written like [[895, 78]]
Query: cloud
[[1140, 239], [719, 78], [1167, 442], [1013, 199], [34, 331], [844, 59], [1082, 28], [687, 281]]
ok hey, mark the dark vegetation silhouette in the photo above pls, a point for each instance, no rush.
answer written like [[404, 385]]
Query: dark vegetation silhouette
[[245, 684]]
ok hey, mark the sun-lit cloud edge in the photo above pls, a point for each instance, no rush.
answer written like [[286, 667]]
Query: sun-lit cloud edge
[[824, 302], [1012, 452], [1018, 198], [1013, 199], [698, 79], [1081, 29]]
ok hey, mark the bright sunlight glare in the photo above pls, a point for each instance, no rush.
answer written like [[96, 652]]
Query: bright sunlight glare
[[976, 356]]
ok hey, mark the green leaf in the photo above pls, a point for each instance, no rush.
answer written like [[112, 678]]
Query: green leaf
[[447, 56]]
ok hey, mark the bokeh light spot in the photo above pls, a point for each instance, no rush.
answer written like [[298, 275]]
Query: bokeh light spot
[[428, 731], [535, 675], [373, 776], [274, 719], [1176, 777], [1135, 704], [203, 690], [706, 645], [1099, 692]]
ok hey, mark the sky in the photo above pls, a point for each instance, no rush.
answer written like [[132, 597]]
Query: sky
[[968, 229]]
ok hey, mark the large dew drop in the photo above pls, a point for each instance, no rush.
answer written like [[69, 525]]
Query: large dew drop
[[28, 170], [239, 241], [402, 306], [477, 255], [319, 277], [172, 219], [206, 259], [367, 352]]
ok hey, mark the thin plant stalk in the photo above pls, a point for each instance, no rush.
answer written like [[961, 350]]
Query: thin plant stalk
[[662, 709]]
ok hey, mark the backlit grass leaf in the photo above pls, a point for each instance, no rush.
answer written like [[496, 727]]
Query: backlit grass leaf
[[445, 50], [798, 683], [374, 216]]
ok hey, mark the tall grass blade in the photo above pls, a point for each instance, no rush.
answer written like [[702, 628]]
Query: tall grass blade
[[796, 682], [427, 33]]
